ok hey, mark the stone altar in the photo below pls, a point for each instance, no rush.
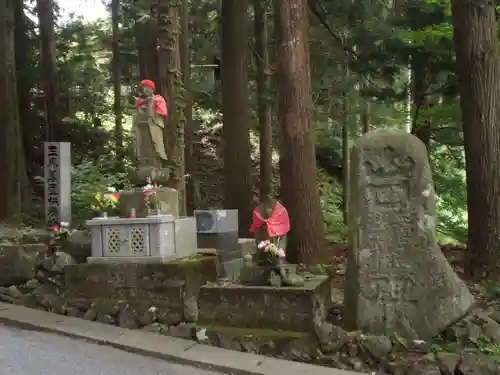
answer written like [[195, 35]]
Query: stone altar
[[397, 278], [156, 238]]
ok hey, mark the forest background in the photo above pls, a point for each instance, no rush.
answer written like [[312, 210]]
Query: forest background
[[373, 64]]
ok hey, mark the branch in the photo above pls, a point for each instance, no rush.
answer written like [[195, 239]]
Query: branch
[[321, 15], [269, 69]]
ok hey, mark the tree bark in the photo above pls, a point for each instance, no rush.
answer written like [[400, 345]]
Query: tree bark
[[29, 126], [12, 166], [476, 44], [346, 123], [264, 109], [420, 81], [116, 67], [171, 88], [298, 166], [22, 75], [235, 109], [188, 109], [45, 9]]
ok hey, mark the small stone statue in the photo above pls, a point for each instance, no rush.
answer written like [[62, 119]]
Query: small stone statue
[[147, 131], [271, 224]]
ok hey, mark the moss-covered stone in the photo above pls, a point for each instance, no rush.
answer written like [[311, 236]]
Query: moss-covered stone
[[263, 307], [168, 286]]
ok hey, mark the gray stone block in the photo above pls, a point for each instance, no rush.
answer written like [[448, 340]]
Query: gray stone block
[[185, 237]]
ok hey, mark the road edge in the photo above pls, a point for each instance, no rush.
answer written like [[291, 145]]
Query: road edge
[[153, 345]]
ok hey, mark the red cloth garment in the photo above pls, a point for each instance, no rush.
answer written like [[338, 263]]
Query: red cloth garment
[[148, 82], [278, 224], [160, 105]]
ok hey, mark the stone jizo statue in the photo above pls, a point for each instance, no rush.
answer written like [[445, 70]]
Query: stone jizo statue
[[271, 224], [147, 126]]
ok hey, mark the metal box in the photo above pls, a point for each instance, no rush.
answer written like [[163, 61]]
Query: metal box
[[158, 236]]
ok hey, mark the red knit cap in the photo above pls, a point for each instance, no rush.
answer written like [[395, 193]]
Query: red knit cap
[[147, 82]]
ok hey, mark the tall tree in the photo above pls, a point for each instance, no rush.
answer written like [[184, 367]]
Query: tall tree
[[116, 69], [235, 110], [478, 67], [12, 165], [264, 109], [298, 164], [22, 72], [169, 61], [188, 109], [45, 9]]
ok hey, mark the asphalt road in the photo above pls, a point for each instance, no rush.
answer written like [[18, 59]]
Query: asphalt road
[[37, 353]]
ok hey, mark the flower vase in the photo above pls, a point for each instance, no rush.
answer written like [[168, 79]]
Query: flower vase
[[103, 215]]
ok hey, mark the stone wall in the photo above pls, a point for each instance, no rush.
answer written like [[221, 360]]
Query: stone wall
[[171, 288]]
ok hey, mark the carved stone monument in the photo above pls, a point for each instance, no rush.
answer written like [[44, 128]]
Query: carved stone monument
[[57, 173], [397, 278]]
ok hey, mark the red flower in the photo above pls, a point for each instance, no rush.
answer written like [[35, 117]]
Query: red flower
[[54, 228]]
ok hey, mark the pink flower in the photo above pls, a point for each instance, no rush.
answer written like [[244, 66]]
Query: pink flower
[[280, 253], [149, 192], [264, 244], [54, 228]]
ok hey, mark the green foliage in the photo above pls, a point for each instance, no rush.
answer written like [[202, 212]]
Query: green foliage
[[89, 178], [492, 290], [331, 203], [449, 180], [482, 344]]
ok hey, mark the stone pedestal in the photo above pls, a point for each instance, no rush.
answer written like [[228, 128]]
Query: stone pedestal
[[166, 200], [287, 308]]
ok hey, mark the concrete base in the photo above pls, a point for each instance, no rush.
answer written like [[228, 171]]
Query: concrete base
[[133, 260]]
